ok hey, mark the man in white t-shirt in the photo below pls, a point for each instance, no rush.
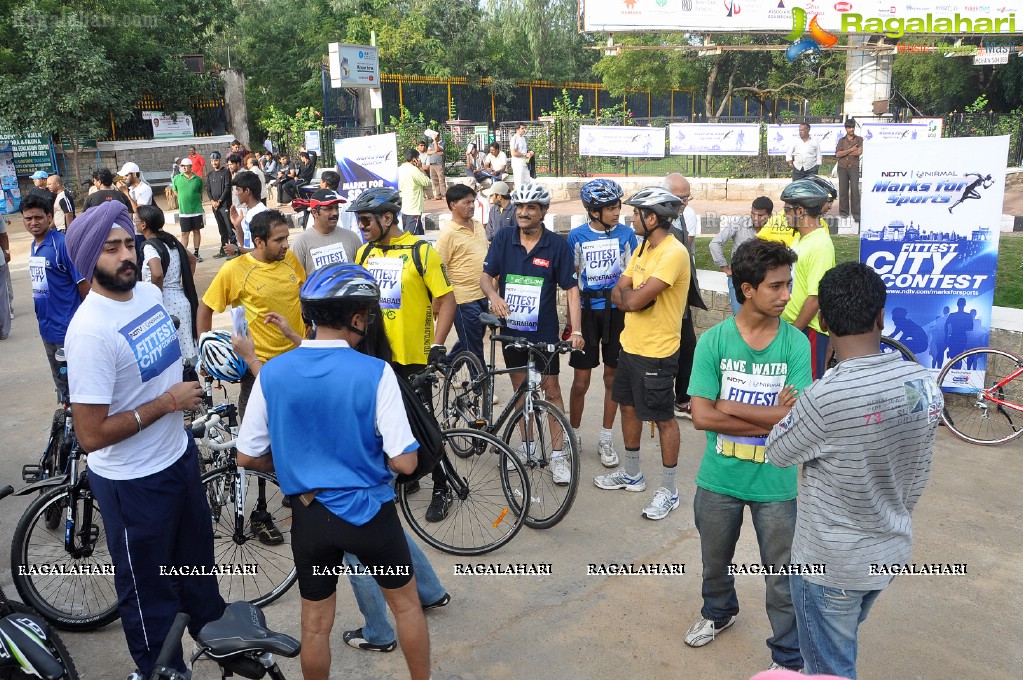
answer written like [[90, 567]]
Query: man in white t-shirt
[[520, 156], [247, 188], [496, 163], [137, 191], [325, 244], [124, 366]]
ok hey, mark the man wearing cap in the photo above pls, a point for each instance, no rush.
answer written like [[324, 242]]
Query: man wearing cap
[[198, 162], [125, 370], [218, 188], [502, 211], [137, 191], [188, 190], [63, 207], [848, 152], [412, 184], [325, 243], [39, 178]]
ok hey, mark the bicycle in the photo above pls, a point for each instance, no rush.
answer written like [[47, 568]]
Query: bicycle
[[239, 642], [983, 399], [28, 647], [54, 460], [251, 569], [538, 425], [888, 346]]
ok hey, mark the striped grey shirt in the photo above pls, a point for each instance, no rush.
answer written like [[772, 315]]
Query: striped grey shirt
[[864, 434]]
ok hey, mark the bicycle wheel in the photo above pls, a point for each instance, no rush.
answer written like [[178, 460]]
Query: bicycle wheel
[[53, 644], [264, 572], [982, 404], [888, 345], [71, 592], [463, 401], [480, 518], [545, 430]]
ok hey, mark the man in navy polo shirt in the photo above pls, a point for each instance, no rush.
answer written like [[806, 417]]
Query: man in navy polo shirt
[[57, 287], [523, 269]]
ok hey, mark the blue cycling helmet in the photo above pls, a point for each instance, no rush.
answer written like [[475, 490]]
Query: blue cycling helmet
[[218, 358], [377, 201], [600, 193], [332, 293]]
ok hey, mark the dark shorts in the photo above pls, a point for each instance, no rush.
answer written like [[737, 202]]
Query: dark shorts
[[191, 223], [549, 363], [320, 539], [601, 341], [646, 384]]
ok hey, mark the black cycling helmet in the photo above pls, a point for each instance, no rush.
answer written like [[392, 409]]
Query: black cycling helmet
[[377, 201], [336, 290], [807, 194]]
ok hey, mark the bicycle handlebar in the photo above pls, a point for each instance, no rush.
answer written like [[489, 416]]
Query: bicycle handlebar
[[170, 644], [561, 347]]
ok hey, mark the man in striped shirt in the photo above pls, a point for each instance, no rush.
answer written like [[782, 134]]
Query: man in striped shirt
[[864, 434]]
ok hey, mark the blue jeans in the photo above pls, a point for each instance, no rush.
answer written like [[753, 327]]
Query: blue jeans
[[469, 328], [377, 629], [828, 620], [718, 519], [736, 305]]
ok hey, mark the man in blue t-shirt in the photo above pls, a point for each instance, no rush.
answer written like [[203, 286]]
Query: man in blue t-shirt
[[601, 249], [57, 288], [521, 275], [338, 470]]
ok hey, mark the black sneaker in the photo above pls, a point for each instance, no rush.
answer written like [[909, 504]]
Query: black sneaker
[[198, 257], [221, 253], [286, 502], [354, 638], [442, 602], [439, 505], [264, 528], [412, 487]]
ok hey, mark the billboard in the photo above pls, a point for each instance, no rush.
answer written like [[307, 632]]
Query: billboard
[[365, 163], [780, 138], [715, 139], [930, 225], [31, 152], [621, 140], [354, 65]]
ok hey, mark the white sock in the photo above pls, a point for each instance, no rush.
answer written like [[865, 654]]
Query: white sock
[[557, 453], [605, 434]]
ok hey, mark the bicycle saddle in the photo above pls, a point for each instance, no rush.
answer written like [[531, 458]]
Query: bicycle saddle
[[24, 636], [488, 319], [241, 629]]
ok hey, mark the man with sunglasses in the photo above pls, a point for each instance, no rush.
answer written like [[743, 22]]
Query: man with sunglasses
[[324, 244], [413, 288]]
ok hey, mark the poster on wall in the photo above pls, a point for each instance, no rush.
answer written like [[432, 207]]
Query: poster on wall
[[31, 152], [621, 140], [165, 126], [931, 211], [714, 139], [780, 138], [10, 195], [366, 162]]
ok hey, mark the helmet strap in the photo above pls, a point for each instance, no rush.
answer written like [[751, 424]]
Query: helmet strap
[[600, 213]]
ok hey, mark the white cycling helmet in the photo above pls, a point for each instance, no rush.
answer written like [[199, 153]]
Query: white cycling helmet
[[218, 358], [657, 200], [531, 192]]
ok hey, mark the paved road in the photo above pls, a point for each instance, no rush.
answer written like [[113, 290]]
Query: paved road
[[574, 626]]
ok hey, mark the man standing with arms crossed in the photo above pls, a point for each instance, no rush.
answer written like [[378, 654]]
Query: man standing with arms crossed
[[848, 152], [652, 293], [125, 368], [804, 156], [855, 499], [218, 188], [746, 375]]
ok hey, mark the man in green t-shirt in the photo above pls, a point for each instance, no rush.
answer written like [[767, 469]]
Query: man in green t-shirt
[[188, 189], [747, 372]]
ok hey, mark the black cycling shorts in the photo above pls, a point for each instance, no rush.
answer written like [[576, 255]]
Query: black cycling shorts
[[647, 384], [601, 341], [320, 539]]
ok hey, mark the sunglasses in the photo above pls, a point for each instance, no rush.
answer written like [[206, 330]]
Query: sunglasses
[[686, 199], [366, 220]]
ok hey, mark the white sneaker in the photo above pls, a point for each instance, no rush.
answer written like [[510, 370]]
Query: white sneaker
[[775, 666], [566, 443], [704, 631], [560, 470], [521, 453], [608, 455], [619, 480], [664, 502]]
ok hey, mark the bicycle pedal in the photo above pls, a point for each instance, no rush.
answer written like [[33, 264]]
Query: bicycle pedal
[[31, 473], [478, 424]]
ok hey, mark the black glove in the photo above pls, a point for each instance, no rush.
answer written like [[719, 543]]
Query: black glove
[[437, 354]]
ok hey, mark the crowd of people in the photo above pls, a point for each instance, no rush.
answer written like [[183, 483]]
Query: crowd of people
[[337, 317]]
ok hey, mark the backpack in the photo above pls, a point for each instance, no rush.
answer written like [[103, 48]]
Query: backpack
[[417, 256], [426, 431], [187, 282]]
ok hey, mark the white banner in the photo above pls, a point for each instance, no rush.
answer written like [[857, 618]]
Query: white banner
[[164, 126], [366, 162], [621, 140], [894, 132], [312, 140], [714, 139], [931, 215], [759, 16], [780, 138], [353, 65], [934, 126]]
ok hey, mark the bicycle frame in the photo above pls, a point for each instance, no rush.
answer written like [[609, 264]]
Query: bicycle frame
[[989, 393]]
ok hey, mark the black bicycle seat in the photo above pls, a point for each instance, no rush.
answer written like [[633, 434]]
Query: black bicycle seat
[[242, 629], [491, 320], [18, 631]]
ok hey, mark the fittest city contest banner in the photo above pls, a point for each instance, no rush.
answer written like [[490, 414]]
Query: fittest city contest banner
[[621, 140], [930, 224], [714, 139], [780, 138], [366, 162]]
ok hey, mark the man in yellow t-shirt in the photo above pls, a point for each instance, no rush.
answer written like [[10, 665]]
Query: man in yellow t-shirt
[[413, 286], [652, 292]]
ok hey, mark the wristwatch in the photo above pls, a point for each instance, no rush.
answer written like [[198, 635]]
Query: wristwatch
[[579, 333]]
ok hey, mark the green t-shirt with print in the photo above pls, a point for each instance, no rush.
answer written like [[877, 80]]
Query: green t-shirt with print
[[725, 367]]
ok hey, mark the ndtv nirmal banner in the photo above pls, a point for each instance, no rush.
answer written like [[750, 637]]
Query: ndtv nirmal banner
[[930, 223], [715, 139], [784, 16], [366, 162]]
